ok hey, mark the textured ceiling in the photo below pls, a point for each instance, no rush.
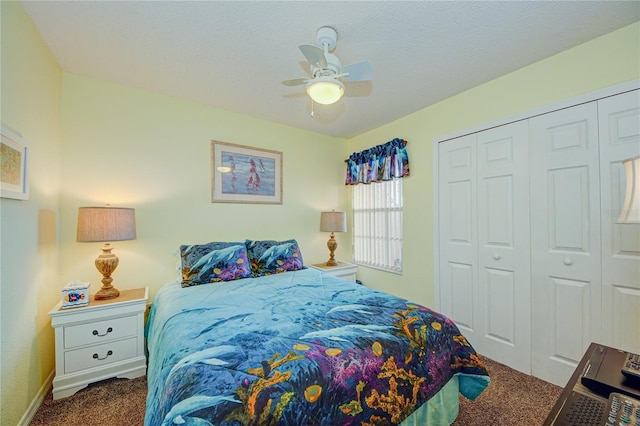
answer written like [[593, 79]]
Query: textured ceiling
[[234, 54]]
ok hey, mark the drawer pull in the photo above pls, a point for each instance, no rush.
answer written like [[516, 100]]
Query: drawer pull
[[95, 356], [95, 333]]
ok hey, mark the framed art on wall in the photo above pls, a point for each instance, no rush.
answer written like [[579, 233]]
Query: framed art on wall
[[13, 159], [243, 174]]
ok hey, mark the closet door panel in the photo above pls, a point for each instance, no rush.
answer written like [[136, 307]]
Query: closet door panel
[[504, 303], [460, 280], [565, 239], [569, 193], [498, 198], [501, 288], [619, 126], [570, 325], [458, 242], [624, 319]]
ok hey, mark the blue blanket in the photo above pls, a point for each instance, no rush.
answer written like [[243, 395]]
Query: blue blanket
[[298, 348]]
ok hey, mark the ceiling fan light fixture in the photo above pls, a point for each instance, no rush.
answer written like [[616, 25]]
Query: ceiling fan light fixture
[[325, 90]]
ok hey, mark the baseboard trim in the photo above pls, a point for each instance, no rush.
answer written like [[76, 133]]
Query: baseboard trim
[[37, 401]]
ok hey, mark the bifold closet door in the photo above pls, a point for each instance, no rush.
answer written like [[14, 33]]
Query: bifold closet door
[[619, 118], [484, 241], [504, 275], [458, 245], [565, 239]]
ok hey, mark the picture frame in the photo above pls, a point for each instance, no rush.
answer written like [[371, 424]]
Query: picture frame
[[13, 166], [244, 174]]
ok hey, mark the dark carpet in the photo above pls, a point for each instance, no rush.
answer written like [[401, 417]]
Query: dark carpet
[[512, 398]]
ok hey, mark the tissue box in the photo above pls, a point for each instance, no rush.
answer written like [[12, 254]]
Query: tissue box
[[74, 294]]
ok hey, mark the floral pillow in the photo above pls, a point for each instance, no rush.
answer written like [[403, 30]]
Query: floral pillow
[[272, 257], [213, 262]]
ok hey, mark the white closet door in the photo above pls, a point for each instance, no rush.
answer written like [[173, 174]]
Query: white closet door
[[458, 243], [619, 118], [565, 239], [504, 248]]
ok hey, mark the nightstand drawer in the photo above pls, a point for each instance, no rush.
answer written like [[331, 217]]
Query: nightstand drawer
[[99, 355], [351, 276], [346, 271], [100, 331]]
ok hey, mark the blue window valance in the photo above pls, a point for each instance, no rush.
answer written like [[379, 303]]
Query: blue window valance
[[383, 162]]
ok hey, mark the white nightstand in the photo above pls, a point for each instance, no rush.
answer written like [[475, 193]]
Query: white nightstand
[[101, 340], [345, 271]]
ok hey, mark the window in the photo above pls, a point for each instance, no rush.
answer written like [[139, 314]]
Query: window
[[377, 225]]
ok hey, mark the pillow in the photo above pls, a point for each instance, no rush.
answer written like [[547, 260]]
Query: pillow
[[272, 257], [213, 262]]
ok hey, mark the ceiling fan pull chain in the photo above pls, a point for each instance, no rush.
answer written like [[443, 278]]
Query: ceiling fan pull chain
[[312, 108]]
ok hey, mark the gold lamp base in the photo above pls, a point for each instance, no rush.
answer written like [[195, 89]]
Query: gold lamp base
[[332, 244], [106, 263]]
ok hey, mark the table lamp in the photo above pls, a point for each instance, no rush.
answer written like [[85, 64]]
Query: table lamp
[[631, 209], [333, 222], [106, 224]]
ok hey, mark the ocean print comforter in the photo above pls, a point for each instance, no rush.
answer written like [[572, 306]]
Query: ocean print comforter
[[298, 348]]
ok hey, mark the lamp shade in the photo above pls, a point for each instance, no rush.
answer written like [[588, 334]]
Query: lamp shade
[[333, 222], [631, 208], [325, 90], [106, 224]]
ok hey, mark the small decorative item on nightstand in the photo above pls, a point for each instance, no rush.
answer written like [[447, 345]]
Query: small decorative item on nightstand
[[75, 293]]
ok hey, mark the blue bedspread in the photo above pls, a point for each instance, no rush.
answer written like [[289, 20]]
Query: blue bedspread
[[298, 348]]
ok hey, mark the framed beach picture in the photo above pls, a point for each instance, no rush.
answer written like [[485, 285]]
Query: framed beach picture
[[13, 160], [243, 174]]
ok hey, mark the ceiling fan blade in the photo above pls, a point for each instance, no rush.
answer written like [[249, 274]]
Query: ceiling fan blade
[[314, 55], [359, 71], [295, 81]]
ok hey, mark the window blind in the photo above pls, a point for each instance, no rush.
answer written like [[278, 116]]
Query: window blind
[[377, 225]]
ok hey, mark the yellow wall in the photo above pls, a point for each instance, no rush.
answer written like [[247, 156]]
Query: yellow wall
[[128, 147], [600, 63], [31, 85]]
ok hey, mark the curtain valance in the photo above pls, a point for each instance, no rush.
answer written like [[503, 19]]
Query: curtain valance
[[382, 162]]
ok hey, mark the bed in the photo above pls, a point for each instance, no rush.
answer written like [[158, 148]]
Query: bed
[[295, 346]]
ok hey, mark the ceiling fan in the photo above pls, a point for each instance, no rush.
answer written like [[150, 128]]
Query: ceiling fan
[[326, 86]]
